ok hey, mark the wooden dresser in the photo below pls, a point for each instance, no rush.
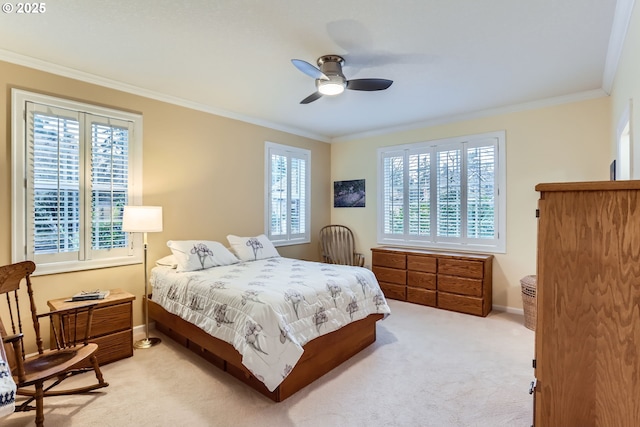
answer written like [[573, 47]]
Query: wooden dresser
[[587, 352], [449, 280], [112, 325]]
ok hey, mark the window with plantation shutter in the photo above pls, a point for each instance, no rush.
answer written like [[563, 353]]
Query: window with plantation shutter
[[109, 183], [445, 194], [287, 202], [75, 166]]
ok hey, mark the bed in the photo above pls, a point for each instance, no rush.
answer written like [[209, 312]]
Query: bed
[[275, 323]]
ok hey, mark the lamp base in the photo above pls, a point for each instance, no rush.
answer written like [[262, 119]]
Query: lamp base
[[146, 342]]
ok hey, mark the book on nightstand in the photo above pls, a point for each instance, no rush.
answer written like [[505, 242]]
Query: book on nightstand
[[90, 295]]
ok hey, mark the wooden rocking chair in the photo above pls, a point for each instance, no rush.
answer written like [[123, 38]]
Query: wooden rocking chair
[[72, 353], [337, 246]]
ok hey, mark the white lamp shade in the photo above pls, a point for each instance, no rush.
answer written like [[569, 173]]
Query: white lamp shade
[[142, 219]]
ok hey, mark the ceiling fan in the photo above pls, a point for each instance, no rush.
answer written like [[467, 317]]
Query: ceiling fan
[[331, 81]]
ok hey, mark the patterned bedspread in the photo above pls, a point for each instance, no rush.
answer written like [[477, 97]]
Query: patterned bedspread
[[268, 309]]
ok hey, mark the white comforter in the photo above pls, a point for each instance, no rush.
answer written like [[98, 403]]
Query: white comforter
[[268, 309]]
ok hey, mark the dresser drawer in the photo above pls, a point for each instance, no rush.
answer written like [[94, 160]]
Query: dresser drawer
[[385, 259], [391, 290], [390, 275], [422, 263], [421, 296], [459, 267], [460, 285], [421, 280], [460, 303]]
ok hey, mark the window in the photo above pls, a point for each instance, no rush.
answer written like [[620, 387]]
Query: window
[[446, 194], [287, 195], [74, 168]]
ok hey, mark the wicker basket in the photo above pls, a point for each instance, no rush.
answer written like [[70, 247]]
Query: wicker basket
[[528, 284]]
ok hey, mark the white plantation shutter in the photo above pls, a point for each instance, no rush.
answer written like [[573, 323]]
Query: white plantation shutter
[[449, 188], [109, 167], [419, 195], [481, 192], [443, 194], [279, 196], [53, 188], [393, 190], [298, 196], [81, 165], [287, 203]]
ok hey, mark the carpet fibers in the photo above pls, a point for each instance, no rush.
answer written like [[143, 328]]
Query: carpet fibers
[[428, 367]]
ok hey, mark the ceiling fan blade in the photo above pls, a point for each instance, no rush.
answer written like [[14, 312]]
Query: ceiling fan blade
[[311, 98], [309, 69], [368, 84]]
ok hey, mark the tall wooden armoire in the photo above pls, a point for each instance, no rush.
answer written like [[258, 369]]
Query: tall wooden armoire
[[587, 356]]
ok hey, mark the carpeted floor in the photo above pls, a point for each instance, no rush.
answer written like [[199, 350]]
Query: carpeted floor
[[428, 367]]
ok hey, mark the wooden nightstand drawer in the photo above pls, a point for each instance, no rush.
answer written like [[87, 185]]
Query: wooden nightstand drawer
[[421, 280], [460, 285], [110, 319], [390, 275], [114, 346], [106, 320], [422, 263]]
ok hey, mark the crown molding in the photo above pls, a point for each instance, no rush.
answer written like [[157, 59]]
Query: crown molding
[[621, 19]]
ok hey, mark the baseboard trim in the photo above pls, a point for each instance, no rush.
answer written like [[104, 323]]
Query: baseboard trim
[[140, 328], [508, 309]]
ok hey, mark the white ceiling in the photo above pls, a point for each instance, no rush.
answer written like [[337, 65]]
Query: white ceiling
[[232, 57]]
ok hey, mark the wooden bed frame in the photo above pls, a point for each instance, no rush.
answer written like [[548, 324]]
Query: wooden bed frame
[[320, 355]]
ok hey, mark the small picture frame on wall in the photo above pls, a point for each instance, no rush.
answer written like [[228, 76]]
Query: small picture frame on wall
[[612, 171], [349, 194]]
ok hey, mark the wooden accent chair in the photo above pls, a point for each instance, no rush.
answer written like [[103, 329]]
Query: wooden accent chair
[[70, 329], [337, 246]]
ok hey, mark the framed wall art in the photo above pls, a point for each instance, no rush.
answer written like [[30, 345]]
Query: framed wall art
[[349, 194]]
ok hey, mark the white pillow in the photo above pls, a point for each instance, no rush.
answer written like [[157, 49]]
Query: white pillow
[[252, 248], [168, 261], [192, 255]]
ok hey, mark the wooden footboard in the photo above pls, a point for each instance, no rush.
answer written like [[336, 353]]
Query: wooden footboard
[[320, 355]]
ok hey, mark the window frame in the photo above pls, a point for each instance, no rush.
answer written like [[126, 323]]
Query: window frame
[[432, 241], [289, 152], [22, 243]]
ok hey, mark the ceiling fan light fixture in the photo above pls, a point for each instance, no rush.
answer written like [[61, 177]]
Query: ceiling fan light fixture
[[330, 80], [328, 87]]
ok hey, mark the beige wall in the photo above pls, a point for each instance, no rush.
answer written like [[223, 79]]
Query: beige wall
[[626, 88], [569, 142], [205, 170]]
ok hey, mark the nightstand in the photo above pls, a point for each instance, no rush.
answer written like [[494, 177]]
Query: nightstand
[[112, 324]]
